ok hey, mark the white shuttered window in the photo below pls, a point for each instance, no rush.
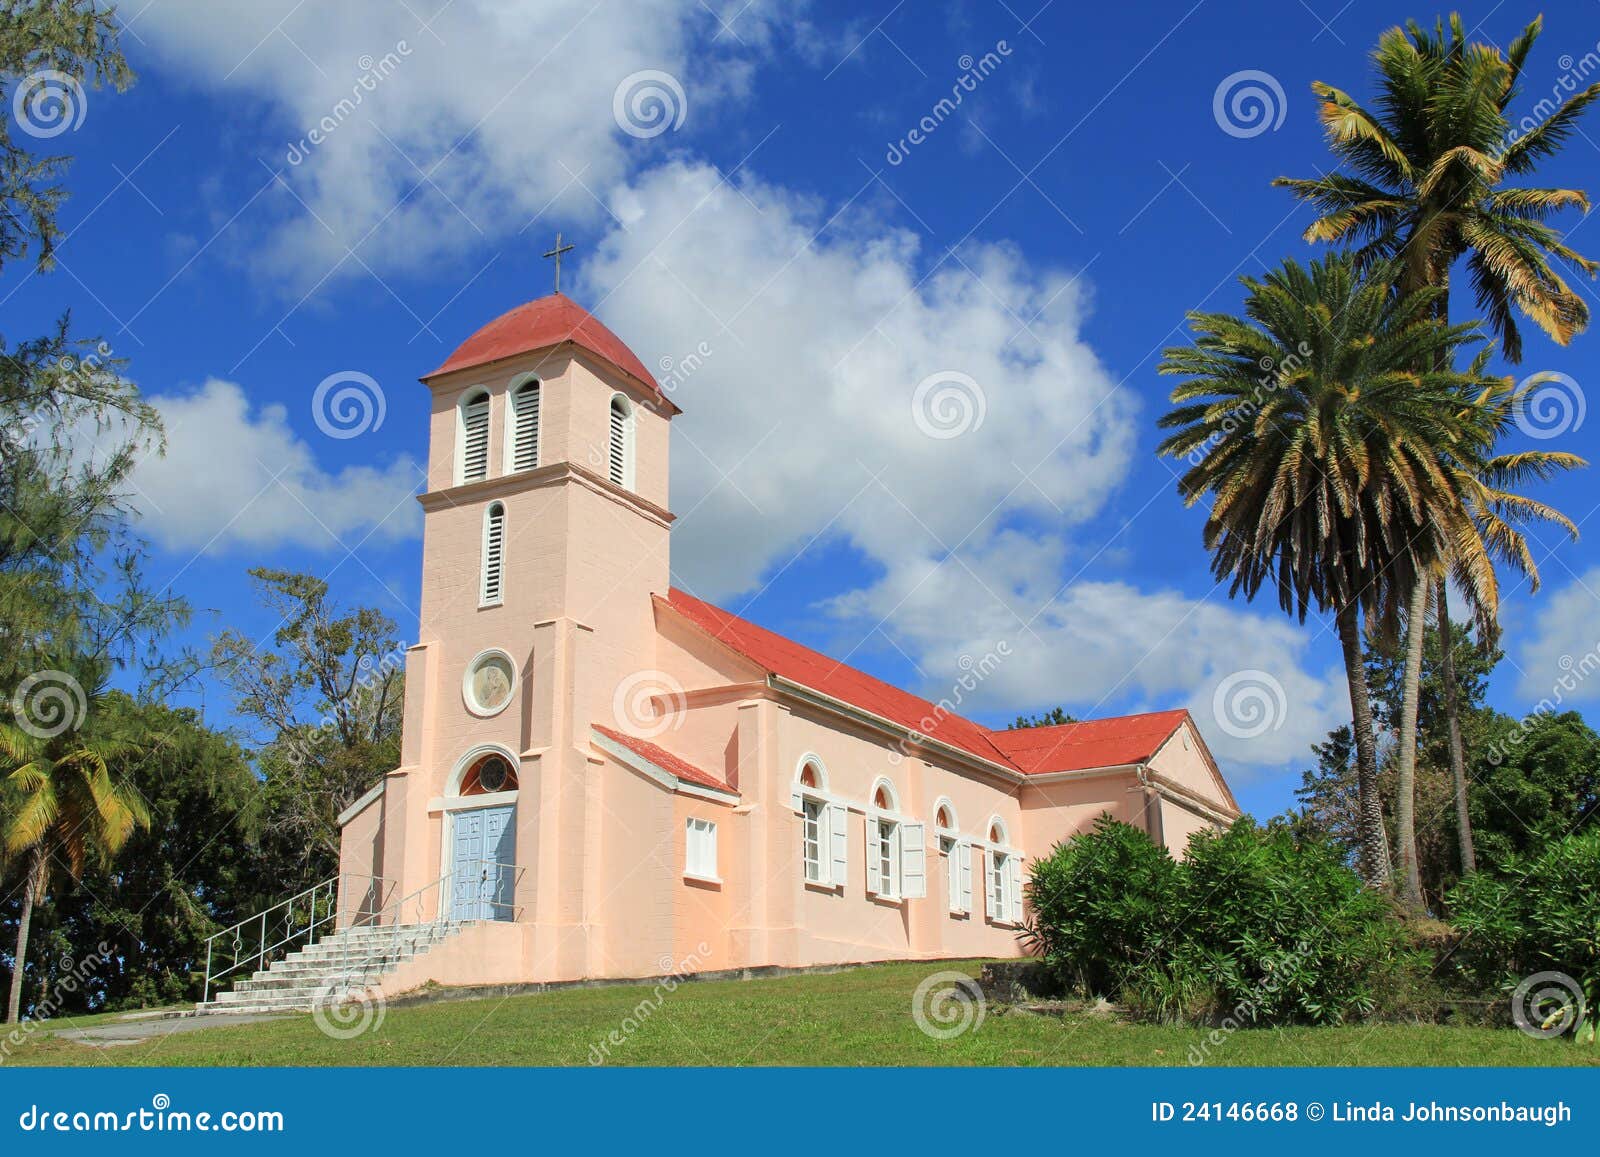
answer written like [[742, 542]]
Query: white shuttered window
[[525, 426], [494, 554], [475, 439], [913, 861], [621, 443]]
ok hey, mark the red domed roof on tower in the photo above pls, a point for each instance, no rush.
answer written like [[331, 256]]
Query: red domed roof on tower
[[543, 323]]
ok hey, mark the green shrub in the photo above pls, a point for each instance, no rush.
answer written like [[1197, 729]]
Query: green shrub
[[1252, 926], [1538, 913], [1102, 904]]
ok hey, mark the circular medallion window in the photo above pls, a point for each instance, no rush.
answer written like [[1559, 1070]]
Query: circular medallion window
[[490, 680]]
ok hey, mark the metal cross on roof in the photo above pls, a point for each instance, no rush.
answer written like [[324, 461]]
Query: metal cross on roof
[[555, 254]]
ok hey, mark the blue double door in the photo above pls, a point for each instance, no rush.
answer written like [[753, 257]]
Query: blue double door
[[483, 850]]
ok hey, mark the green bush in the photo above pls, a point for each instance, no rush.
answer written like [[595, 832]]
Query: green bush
[[1102, 904], [1252, 926], [1538, 913]]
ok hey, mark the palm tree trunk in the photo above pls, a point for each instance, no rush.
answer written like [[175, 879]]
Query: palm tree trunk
[[1369, 823], [1452, 712], [1405, 808], [30, 894]]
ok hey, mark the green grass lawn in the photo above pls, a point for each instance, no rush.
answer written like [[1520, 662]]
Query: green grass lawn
[[859, 1017]]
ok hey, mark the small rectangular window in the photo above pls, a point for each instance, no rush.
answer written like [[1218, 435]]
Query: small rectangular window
[[700, 850]]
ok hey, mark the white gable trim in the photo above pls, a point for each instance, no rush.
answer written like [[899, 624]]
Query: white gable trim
[[361, 804], [630, 758]]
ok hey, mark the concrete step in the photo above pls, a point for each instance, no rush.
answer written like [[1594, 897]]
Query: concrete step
[[337, 968]]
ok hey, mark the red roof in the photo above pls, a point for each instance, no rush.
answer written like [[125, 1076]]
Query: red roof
[[1035, 751], [664, 759], [539, 324], [1095, 743]]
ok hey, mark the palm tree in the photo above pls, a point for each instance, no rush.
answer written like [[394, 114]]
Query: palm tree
[[1485, 481], [1319, 443], [63, 804], [1423, 184]]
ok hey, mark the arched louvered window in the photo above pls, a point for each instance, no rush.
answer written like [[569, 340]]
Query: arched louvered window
[[494, 554], [525, 426], [621, 456], [474, 449]]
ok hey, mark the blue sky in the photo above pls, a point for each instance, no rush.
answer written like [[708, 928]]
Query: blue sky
[[1032, 254]]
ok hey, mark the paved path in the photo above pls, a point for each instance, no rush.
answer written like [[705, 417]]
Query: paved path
[[131, 1032]]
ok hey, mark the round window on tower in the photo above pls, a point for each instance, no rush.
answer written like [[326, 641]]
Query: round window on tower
[[490, 682]]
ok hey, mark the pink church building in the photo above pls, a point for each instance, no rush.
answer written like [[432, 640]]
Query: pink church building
[[606, 777]]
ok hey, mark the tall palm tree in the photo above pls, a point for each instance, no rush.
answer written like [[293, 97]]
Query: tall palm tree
[[63, 804], [1423, 182], [1318, 441], [1487, 484]]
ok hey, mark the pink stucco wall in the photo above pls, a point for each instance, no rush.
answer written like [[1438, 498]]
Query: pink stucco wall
[[601, 889]]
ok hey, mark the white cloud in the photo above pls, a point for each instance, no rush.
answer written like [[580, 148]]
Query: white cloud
[[801, 418], [237, 479], [443, 123], [800, 425], [1558, 656]]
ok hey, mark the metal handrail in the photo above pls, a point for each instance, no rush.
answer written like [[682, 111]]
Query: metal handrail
[[320, 906]]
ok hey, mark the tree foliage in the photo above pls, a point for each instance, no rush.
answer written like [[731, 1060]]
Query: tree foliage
[[326, 698]]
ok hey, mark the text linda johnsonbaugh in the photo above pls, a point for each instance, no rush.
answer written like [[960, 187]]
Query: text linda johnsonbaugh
[[1358, 1113]]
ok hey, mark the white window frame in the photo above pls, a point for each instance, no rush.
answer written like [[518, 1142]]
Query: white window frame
[[700, 850], [828, 871], [814, 839], [515, 396], [468, 399], [629, 440], [1002, 876], [496, 596], [883, 856]]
